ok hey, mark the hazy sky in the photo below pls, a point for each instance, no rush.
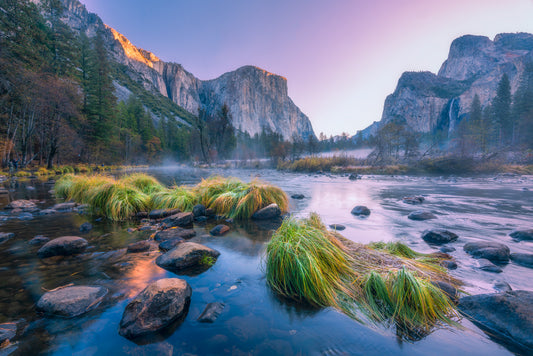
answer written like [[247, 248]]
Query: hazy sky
[[341, 57]]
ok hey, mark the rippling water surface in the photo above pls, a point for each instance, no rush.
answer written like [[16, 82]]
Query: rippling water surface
[[255, 322]]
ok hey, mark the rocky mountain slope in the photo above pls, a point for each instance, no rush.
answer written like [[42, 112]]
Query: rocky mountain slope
[[427, 102], [257, 99]]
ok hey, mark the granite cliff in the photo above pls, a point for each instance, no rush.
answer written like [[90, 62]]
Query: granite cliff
[[426, 101], [257, 99]]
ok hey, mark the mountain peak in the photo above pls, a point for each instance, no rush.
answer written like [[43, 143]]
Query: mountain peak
[[133, 52]]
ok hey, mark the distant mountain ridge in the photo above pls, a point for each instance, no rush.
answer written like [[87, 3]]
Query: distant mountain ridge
[[426, 101], [257, 99]]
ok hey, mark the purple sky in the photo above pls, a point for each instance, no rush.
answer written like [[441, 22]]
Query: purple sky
[[341, 57]]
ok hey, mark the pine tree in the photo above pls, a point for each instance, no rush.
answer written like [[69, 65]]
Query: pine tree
[[502, 111]]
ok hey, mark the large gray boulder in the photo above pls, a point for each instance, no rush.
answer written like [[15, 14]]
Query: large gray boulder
[[522, 235], [63, 246], [271, 211], [158, 306], [493, 251], [179, 220], [186, 255], [71, 301], [439, 236], [421, 215], [504, 315]]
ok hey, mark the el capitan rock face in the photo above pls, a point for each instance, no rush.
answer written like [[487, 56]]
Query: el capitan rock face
[[256, 98], [428, 102]]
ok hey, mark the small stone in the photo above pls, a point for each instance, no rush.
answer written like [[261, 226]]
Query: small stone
[[47, 212], [438, 236], [421, 215], [448, 264], [486, 265], [86, 227], [219, 230], [64, 207], [179, 220], [502, 287], [450, 291], [173, 233], [170, 244], [271, 211], [354, 176], [211, 312], [522, 235], [198, 210], [447, 249], [139, 246], [414, 200], [162, 213], [39, 240], [522, 259], [298, 196], [209, 212], [337, 227], [4, 236], [361, 210]]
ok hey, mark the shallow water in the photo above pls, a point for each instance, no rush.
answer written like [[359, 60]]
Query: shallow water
[[254, 321]]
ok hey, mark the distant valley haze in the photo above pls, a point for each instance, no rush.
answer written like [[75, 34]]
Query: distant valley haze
[[341, 58]]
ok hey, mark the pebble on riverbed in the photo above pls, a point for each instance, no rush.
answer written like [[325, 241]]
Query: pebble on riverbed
[[211, 312], [219, 230], [360, 210]]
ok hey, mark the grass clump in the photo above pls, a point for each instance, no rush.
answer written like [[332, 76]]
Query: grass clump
[[207, 260], [384, 281], [117, 201], [179, 197], [145, 183]]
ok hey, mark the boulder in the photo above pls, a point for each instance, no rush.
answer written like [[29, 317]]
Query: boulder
[[522, 235], [64, 206], [162, 213], [86, 227], [271, 211], [10, 330], [421, 215], [448, 264], [298, 196], [506, 316], [4, 236], [139, 246], [71, 301], [522, 259], [219, 230], [179, 220], [198, 210], [446, 249], [63, 246], [361, 210], [415, 200], [39, 240], [488, 266], [337, 227], [185, 255], [173, 233], [170, 244], [438, 236], [158, 306], [209, 212], [211, 312], [25, 205], [493, 251], [354, 176]]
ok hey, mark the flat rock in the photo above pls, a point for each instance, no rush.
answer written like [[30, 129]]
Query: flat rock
[[25, 205], [25, 216], [438, 236], [47, 212], [522, 235], [488, 266], [421, 215], [219, 230], [162, 213], [179, 220], [337, 227], [139, 246], [39, 240], [211, 312], [8, 331], [71, 301], [271, 211], [493, 251], [522, 259], [170, 244], [361, 210], [4, 236], [86, 227], [158, 306], [173, 233], [64, 206], [198, 210], [185, 255], [504, 315], [414, 200], [298, 196], [63, 246]]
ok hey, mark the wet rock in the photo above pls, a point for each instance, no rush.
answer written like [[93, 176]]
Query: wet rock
[[198, 210], [361, 210], [219, 230], [507, 316], [522, 235], [354, 176], [298, 196], [145, 228], [25, 216], [4, 236], [337, 227], [185, 255], [209, 212], [162, 213], [415, 200], [139, 246], [64, 207], [158, 306], [25, 205], [39, 240], [502, 287], [421, 215], [63, 246], [438, 236], [271, 211], [71, 301], [448, 264], [9, 331], [522, 259], [173, 233], [488, 266], [47, 212], [450, 291], [179, 220], [493, 251], [170, 244], [446, 249], [200, 219], [86, 227], [211, 312], [141, 215]]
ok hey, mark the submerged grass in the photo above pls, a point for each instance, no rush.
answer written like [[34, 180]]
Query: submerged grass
[[384, 281]]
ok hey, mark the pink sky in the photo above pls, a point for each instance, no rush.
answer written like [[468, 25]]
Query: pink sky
[[341, 58]]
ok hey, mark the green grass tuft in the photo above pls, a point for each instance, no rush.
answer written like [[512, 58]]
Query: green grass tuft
[[180, 197], [145, 183]]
